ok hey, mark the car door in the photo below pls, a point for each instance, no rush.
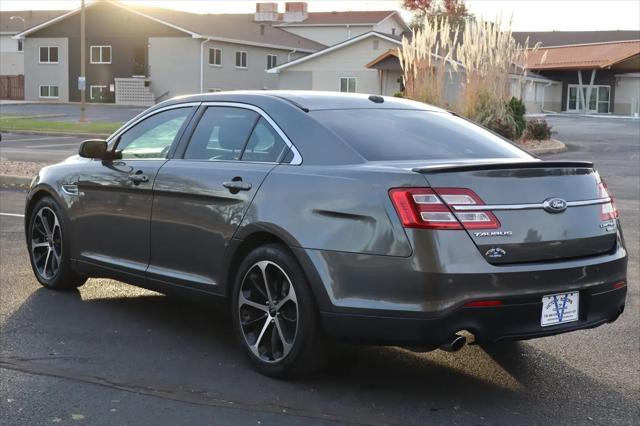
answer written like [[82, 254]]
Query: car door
[[201, 197], [115, 196]]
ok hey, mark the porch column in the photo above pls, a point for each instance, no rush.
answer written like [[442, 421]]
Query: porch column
[[581, 105], [593, 78]]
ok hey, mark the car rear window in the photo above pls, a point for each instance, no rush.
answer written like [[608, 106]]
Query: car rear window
[[396, 135]]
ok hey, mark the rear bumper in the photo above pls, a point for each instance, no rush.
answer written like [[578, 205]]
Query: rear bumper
[[420, 299], [517, 319]]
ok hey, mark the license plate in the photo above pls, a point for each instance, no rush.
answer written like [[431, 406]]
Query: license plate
[[559, 308]]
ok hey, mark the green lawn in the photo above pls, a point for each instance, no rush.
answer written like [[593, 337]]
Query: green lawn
[[28, 124]]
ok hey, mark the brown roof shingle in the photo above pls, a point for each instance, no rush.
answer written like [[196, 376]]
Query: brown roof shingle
[[31, 18], [583, 56], [341, 18], [564, 38], [239, 27]]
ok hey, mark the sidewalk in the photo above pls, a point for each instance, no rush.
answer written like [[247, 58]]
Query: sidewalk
[[575, 114]]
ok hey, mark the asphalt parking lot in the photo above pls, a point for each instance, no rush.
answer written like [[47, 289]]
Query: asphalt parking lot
[[71, 112], [114, 354], [38, 148]]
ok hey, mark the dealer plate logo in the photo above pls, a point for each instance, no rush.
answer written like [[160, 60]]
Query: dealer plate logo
[[495, 253]]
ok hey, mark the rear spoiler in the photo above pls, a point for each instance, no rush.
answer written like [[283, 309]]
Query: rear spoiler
[[466, 167]]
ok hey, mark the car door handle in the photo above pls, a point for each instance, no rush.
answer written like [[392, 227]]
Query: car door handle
[[237, 185], [138, 177]]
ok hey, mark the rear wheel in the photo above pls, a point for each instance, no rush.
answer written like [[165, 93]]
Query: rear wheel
[[274, 314], [48, 247]]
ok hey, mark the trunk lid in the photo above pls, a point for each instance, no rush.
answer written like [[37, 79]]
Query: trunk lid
[[547, 210]]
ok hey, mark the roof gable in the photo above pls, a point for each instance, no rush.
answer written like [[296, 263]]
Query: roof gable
[[335, 47]]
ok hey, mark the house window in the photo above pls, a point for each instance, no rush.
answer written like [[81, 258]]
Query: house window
[[241, 59], [376, 44], [50, 92], [348, 84], [215, 56], [100, 54], [48, 55], [20, 45], [272, 61], [98, 92], [393, 31]]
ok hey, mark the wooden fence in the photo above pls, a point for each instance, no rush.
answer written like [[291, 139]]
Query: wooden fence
[[12, 87]]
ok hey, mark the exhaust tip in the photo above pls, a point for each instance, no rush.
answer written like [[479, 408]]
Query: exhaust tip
[[456, 343]]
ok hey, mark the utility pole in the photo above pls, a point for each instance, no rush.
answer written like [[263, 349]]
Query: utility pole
[[82, 81]]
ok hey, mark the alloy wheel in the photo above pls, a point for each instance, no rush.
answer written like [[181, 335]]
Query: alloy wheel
[[268, 311], [46, 243]]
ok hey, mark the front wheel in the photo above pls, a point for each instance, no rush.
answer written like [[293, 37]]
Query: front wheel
[[49, 249], [274, 314]]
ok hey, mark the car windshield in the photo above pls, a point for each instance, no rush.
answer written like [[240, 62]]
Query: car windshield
[[398, 135]]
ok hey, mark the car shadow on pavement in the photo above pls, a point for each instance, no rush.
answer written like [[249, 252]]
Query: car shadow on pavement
[[182, 350]]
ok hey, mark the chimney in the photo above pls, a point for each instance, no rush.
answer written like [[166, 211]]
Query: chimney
[[295, 11], [266, 12]]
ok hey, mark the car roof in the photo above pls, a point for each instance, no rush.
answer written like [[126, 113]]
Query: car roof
[[308, 100]]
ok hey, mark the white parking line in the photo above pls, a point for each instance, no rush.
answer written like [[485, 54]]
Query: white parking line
[[12, 214], [50, 138], [55, 145]]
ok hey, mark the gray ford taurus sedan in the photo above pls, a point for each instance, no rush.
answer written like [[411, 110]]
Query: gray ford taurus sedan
[[360, 218]]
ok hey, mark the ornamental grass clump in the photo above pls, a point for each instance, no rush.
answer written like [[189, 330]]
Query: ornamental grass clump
[[426, 61], [487, 60]]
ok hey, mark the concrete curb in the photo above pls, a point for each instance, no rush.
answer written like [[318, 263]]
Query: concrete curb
[[45, 133], [9, 181], [555, 148]]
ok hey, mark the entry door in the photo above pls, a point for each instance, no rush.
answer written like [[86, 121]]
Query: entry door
[[116, 196], [597, 103], [574, 104], [201, 199]]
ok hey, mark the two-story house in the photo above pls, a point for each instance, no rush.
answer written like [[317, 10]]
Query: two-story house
[[12, 50], [140, 55]]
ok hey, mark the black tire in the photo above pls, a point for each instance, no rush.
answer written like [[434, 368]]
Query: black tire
[[57, 273], [307, 348]]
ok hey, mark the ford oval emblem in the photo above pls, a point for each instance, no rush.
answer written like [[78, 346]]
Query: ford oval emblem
[[555, 205]]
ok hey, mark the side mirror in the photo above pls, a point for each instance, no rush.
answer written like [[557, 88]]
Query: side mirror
[[93, 148]]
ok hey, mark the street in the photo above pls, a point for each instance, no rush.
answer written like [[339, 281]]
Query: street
[[115, 354]]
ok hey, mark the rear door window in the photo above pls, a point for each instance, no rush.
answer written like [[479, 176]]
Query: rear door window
[[221, 134], [265, 144], [397, 135]]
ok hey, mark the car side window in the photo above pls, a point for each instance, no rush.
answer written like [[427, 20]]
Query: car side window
[[265, 144], [221, 134], [152, 138]]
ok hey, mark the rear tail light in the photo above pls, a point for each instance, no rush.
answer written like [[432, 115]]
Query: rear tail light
[[429, 208], [618, 285], [608, 211]]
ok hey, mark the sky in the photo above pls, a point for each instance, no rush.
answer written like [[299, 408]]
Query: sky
[[528, 15]]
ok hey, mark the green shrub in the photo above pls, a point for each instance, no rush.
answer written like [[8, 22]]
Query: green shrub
[[537, 130], [495, 115], [398, 95], [502, 127], [517, 111]]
